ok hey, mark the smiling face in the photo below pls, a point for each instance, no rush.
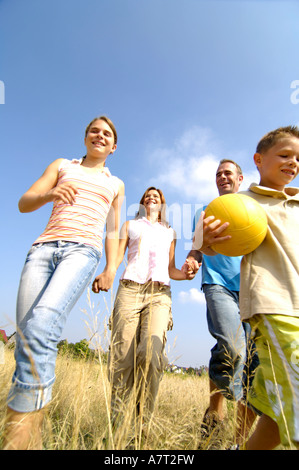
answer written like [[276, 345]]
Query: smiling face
[[153, 205], [152, 201], [228, 178], [99, 139], [279, 165]]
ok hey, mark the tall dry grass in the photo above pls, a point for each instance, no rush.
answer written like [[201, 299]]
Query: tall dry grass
[[78, 416]]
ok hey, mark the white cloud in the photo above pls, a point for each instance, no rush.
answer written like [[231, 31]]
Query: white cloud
[[249, 177], [192, 295], [189, 166]]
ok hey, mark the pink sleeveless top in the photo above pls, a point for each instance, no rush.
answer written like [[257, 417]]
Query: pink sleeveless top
[[148, 251]]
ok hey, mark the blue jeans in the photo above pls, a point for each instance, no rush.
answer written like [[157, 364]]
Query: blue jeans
[[54, 276], [233, 358]]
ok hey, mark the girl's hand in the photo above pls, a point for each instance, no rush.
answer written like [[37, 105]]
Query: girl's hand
[[45, 190], [64, 193], [104, 281]]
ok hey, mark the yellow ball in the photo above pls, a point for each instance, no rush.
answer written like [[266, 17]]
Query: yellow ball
[[247, 223]]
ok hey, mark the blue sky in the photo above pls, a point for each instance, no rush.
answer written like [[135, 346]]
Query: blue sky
[[186, 83]]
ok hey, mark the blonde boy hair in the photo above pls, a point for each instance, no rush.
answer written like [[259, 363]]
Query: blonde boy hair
[[272, 137]]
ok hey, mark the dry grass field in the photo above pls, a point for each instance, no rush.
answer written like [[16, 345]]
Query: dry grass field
[[78, 416]]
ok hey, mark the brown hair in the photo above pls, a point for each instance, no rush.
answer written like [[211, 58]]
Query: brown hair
[[227, 160], [272, 137], [108, 121], [162, 213]]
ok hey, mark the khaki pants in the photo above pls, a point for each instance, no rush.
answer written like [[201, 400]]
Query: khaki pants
[[139, 322]]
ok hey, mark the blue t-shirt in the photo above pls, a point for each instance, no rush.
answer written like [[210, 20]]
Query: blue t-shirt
[[220, 269]]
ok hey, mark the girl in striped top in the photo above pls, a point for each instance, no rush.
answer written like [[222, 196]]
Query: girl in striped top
[[59, 266]]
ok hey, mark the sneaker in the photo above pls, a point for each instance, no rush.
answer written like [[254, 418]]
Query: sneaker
[[234, 447]]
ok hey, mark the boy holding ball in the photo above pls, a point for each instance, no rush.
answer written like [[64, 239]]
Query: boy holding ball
[[269, 296]]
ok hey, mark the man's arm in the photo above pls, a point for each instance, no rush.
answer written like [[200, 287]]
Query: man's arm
[[207, 233], [192, 262]]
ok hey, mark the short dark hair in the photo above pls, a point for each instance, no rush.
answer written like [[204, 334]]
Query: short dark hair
[[227, 160]]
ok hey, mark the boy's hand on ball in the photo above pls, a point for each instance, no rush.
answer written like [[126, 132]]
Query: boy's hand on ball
[[212, 231], [208, 232]]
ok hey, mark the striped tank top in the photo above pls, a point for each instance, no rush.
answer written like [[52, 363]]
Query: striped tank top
[[84, 221]]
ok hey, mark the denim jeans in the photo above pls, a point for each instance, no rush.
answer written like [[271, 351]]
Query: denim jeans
[[54, 276], [233, 358]]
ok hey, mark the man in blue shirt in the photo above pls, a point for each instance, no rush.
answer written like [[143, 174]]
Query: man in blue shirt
[[220, 284]]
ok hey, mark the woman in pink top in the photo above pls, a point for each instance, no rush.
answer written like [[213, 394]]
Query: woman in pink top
[[142, 309], [58, 267]]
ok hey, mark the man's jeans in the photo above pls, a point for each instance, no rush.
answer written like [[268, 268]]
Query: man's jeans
[[54, 276], [233, 357]]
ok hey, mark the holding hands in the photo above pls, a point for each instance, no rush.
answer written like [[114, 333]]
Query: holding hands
[[104, 281], [190, 267], [208, 232]]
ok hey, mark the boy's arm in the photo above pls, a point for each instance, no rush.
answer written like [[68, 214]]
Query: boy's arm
[[207, 233], [105, 280], [44, 190]]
